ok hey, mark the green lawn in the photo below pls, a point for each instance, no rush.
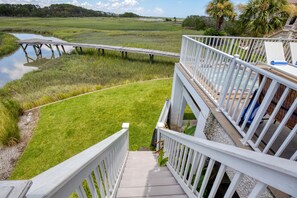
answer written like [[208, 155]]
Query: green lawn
[[75, 74], [68, 127]]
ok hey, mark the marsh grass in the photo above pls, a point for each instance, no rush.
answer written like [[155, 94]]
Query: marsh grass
[[75, 74], [67, 128], [7, 44], [9, 132], [110, 31]]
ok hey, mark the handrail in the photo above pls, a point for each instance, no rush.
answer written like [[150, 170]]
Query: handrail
[[164, 113], [162, 121], [97, 169], [196, 163], [250, 49], [231, 82]]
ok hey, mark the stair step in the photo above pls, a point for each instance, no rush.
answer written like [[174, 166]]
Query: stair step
[[142, 177], [144, 182], [147, 174], [150, 191]]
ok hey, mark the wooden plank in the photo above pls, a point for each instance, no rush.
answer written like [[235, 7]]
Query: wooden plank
[[144, 182], [14, 189], [150, 191], [143, 178]]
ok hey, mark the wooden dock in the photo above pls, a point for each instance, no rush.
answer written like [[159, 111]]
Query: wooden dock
[[59, 45], [143, 177]]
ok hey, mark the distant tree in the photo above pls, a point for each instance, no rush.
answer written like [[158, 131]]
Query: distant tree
[[54, 10], [174, 18], [129, 15], [220, 10], [262, 17]]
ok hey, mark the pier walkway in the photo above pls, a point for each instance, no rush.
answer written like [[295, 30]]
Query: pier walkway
[[38, 43]]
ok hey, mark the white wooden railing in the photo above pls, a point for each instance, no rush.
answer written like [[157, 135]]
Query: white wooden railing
[[95, 172], [249, 49], [200, 165], [231, 82], [162, 121]]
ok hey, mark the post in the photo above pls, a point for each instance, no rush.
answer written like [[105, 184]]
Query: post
[[151, 58], [227, 83], [126, 125], [58, 50], [159, 125], [24, 48], [176, 101], [63, 49]]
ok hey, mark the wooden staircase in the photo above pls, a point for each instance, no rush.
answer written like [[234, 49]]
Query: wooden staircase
[[143, 177]]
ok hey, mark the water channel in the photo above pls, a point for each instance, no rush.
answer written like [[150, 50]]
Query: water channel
[[16, 64]]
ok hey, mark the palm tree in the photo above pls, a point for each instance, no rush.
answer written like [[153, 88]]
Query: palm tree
[[220, 10], [261, 17]]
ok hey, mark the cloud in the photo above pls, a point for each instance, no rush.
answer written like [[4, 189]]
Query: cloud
[[158, 11]]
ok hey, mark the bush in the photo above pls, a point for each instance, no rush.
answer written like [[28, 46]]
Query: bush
[[214, 32], [194, 22]]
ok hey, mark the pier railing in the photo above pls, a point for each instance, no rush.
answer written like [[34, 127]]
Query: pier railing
[[249, 49], [202, 168], [243, 91], [95, 172]]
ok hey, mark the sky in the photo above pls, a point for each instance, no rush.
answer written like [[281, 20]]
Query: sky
[[161, 8]]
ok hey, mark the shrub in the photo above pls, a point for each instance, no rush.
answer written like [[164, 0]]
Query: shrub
[[194, 22], [214, 32]]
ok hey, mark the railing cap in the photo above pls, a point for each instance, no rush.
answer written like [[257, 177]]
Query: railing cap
[[160, 124], [125, 125]]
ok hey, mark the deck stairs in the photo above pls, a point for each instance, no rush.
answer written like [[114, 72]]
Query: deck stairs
[[143, 177], [196, 167]]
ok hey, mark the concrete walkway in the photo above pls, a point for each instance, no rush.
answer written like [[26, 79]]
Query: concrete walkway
[[143, 178]]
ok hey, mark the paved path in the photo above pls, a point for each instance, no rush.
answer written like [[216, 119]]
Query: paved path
[[143, 178]]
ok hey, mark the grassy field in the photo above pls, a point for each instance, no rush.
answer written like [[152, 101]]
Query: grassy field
[[7, 44], [112, 31], [74, 74], [71, 126]]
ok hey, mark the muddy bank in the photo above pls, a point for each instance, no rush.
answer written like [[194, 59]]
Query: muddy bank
[[10, 155]]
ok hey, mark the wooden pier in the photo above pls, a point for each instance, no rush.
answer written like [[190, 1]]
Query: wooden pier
[[38, 43]]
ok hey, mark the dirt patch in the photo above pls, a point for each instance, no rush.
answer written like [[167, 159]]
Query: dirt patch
[[10, 155]]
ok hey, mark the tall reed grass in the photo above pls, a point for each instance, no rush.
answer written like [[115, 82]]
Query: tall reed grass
[[7, 44]]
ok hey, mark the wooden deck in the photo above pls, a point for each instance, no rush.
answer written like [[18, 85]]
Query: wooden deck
[[38, 43], [143, 177]]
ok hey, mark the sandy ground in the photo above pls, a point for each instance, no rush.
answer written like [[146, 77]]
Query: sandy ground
[[10, 155]]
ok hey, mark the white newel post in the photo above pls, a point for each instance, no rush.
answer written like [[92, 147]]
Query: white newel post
[[159, 125]]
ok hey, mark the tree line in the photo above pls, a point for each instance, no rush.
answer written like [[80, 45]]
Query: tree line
[[54, 10], [256, 18]]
